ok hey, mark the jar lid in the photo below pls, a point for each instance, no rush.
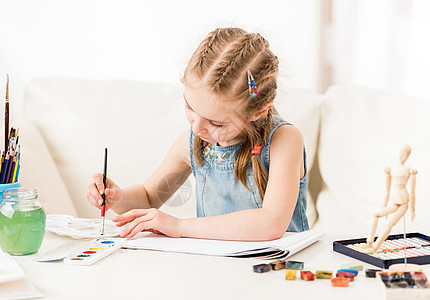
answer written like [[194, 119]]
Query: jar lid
[[19, 193]]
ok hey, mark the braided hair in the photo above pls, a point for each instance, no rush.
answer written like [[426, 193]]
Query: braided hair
[[220, 63]]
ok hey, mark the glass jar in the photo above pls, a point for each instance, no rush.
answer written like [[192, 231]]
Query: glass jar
[[22, 221], [6, 186]]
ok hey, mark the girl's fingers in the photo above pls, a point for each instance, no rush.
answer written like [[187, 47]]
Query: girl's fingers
[[94, 197], [139, 228], [98, 182], [108, 206], [137, 222], [94, 193], [131, 215], [96, 190], [126, 231], [92, 200], [121, 223], [144, 226], [143, 218], [123, 218], [112, 193]]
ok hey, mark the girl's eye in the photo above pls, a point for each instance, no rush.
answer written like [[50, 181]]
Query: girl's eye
[[215, 125], [210, 122]]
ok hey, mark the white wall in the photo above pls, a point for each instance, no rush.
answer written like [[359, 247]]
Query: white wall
[[382, 44], [143, 40]]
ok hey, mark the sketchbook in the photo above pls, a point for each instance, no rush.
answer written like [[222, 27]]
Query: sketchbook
[[14, 283], [287, 245]]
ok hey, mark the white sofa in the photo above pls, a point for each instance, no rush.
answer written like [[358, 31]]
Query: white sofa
[[351, 134]]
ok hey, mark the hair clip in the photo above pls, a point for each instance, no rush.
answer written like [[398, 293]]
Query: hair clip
[[251, 78], [256, 150]]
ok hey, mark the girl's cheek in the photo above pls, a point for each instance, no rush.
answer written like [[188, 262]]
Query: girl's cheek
[[189, 116], [221, 134]]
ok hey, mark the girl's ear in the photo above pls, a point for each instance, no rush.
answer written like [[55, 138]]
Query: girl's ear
[[261, 112]]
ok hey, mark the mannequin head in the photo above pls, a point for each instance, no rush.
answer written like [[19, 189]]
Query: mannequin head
[[404, 153]]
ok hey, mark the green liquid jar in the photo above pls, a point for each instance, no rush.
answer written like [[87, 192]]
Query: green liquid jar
[[22, 221]]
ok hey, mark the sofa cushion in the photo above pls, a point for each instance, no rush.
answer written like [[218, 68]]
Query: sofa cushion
[[78, 118], [137, 122], [362, 131], [39, 171], [301, 108]]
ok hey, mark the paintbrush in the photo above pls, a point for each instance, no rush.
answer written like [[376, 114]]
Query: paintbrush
[[103, 208], [6, 116]]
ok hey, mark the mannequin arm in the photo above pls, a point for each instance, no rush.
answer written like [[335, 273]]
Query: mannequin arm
[[387, 185], [412, 183]]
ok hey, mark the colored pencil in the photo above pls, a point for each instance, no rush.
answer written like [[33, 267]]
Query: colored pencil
[[9, 166], [16, 165], [4, 169], [1, 164], [10, 172], [103, 208], [17, 171]]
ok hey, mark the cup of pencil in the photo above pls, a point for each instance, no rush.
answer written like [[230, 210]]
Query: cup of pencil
[[11, 156], [10, 164]]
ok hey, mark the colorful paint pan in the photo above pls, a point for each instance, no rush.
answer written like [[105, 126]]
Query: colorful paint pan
[[95, 251]]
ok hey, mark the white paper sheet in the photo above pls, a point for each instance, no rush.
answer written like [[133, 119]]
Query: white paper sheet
[[9, 268], [14, 284], [292, 242]]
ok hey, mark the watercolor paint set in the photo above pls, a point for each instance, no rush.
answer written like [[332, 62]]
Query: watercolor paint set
[[416, 248], [94, 251], [404, 285]]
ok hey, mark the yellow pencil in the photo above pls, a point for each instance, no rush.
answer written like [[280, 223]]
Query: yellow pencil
[[16, 159]]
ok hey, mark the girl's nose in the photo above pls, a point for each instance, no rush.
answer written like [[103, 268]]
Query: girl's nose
[[198, 127]]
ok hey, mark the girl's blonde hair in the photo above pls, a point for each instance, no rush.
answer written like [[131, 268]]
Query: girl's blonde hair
[[221, 62]]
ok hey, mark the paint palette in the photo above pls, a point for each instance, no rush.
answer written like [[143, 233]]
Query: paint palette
[[80, 228], [94, 251], [404, 285], [416, 248]]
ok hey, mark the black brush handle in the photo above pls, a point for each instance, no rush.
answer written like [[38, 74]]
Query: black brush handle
[[104, 176]]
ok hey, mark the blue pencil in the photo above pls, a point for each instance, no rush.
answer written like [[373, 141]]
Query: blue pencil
[[4, 169], [9, 169]]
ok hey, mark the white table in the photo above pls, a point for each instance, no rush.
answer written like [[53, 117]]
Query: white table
[[142, 274]]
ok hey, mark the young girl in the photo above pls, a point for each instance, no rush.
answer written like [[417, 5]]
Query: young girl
[[248, 162]]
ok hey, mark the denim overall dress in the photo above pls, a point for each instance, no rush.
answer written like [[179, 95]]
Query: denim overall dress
[[218, 192]]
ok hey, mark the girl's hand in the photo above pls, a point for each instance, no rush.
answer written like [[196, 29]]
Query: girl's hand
[[96, 189], [148, 220]]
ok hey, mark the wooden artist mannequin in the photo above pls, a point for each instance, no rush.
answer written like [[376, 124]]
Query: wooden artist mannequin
[[396, 179]]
